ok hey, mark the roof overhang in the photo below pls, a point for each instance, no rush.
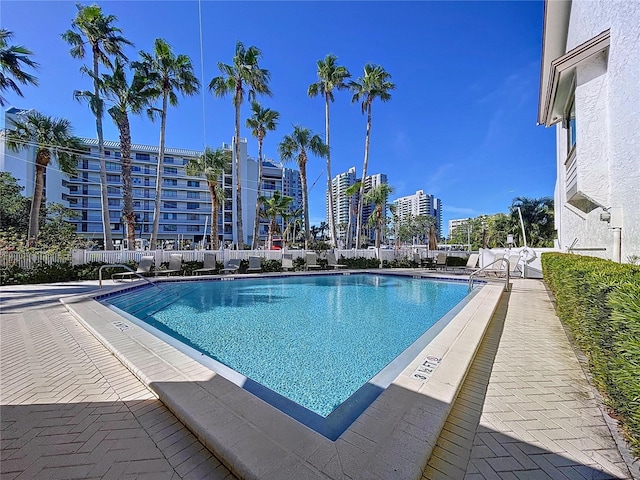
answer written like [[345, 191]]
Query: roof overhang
[[554, 42]]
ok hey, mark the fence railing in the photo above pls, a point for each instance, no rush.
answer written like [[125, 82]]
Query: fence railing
[[81, 257]]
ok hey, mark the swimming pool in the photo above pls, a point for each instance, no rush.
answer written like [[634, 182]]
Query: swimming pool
[[319, 348]]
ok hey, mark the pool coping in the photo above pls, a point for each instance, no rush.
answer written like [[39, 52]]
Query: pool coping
[[393, 438]]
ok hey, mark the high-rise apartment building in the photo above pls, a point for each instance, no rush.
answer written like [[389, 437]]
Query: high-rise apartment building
[[292, 187], [420, 203], [185, 208], [341, 201], [455, 223]]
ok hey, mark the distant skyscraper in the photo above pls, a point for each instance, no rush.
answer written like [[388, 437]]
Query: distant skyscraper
[[292, 187], [420, 204]]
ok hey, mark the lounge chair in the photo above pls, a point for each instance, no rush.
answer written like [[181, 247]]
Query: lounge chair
[[144, 269], [514, 264], [312, 261], [175, 265], [332, 262], [210, 265], [498, 267], [441, 261], [232, 266], [255, 265], [472, 263], [287, 262]]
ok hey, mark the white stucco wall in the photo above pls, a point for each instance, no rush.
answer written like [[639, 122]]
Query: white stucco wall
[[608, 128]]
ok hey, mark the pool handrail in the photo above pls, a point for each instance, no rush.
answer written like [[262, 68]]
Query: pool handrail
[[127, 267], [507, 276]]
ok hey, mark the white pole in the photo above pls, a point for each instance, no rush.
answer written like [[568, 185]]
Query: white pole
[[204, 237], [524, 235]]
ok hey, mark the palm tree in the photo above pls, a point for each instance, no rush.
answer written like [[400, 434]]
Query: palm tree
[[92, 27], [295, 147], [54, 140], [12, 60], [330, 77], [353, 210], [537, 216], [323, 228], [272, 208], [169, 74], [211, 164], [126, 97], [244, 72], [374, 83], [378, 196], [293, 219], [262, 120]]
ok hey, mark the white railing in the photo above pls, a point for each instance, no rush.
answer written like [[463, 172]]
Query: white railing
[[81, 257], [27, 260]]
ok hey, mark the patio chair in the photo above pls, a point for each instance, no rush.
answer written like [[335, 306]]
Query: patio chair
[[312, 261], [441, 261], [499, 266], [210, 265], [514, 264], [232, 266], [175, 265], [472, 263], [287, 262], [332, 262], [255, 265], [144, 269]]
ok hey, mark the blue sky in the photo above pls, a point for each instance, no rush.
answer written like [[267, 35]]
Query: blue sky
[[461, 123]]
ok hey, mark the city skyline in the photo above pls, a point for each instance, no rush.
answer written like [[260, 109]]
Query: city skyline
[[461, 117]]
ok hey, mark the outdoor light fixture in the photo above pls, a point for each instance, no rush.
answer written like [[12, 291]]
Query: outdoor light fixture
[[510, 239]]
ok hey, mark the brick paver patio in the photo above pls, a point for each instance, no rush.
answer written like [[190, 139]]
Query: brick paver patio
[[526, 410], [69, 409]]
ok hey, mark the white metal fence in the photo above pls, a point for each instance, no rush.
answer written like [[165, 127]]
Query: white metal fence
[[81, 257]]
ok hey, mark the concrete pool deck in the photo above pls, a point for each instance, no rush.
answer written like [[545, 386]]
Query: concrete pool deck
[[392, 439]]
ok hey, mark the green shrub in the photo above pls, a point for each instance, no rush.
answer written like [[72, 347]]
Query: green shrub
[[359, 262], [299, 264], [456, 261], [403, 262], [271, 265], [600, 302]]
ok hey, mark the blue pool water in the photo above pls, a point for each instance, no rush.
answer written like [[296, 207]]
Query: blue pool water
[[314, 340]]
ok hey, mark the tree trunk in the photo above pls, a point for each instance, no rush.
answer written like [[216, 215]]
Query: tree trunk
[[43, 157], [256, 223], [332, 223], [104, 200], [349, 233], [214, 216], [364, 175], [305, 199], [127, 189], [156, 211], [239, 230], [378, 225]]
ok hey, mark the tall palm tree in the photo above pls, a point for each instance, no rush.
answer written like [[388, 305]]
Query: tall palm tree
[[330, 77], [378, 197], [323, 228], [169, 74], [353, 210], [54, 139], [272, 208], [211, 164], [92, 27], [537, 216], [374, 83], [295, 147], [261, 121], [293, 219], [243, 73], [13, 58], [126, 97]]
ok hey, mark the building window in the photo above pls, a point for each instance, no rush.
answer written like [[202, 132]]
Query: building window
[[193, 206], [170, 182], [113, 178], [117, 154], [193, 228], [136, 181], [193, 183], [136, 168], [170, 204], [193, 194], [170, 216], [113, 190], [571, 125], [170, 228], [193, 216], [170, 170], [114, 202], [143, 156], [171, 193], [168, 159], [137, 204], [112, 167]]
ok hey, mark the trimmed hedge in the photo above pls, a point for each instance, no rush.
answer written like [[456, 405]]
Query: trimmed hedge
[[600, 302]]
